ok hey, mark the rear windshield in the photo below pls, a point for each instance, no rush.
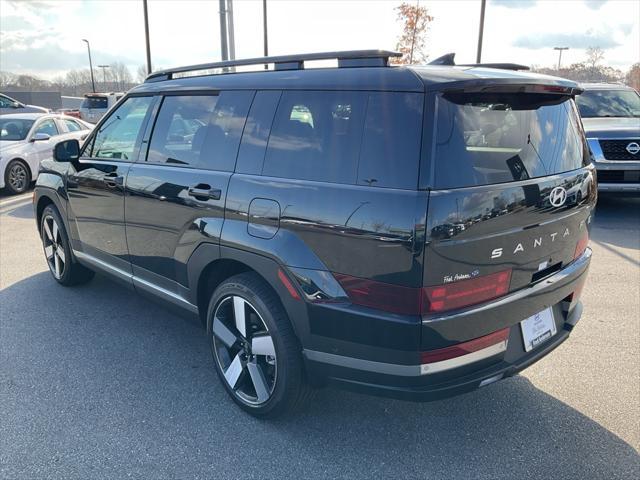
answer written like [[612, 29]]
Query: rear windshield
[[483, 139], [14, 129], [609, 103], [94, 102]]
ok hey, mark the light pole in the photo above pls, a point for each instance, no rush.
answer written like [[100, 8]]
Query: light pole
[[264, 31], [93, 83], [560, 49], [481, 31], [104, 75], [146, 35]]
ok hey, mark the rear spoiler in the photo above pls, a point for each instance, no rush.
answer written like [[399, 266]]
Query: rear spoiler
[[449, 60], [509, 83]]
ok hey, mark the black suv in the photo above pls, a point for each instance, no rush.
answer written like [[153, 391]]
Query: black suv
[[406, 231]]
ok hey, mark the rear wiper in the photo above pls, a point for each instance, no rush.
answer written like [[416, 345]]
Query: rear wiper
[[535, 150]]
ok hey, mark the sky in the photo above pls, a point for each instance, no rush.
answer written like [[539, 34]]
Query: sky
[[44, 37]]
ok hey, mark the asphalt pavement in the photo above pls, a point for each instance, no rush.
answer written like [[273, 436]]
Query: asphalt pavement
[[97, 382]]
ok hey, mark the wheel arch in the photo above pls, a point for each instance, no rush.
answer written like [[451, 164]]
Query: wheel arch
[[41, 200], [210, 265]]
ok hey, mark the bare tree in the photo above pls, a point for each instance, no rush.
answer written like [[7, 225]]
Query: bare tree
[[633, 76], [415, 25], [594, 56], [141, 73], [120, 76]]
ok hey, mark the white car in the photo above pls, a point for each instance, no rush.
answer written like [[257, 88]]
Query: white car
[[28, 138]]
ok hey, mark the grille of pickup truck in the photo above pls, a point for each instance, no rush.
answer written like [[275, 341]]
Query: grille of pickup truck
[[617, 149]]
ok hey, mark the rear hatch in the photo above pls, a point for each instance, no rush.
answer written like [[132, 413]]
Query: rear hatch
[[511, 200], [93, 107]]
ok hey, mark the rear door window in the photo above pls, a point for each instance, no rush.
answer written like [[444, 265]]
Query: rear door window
[[483, 139], [48, 127], [201, 131]]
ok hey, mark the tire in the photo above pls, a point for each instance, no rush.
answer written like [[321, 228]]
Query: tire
[[17, 177], [57, 250], [261, 368]]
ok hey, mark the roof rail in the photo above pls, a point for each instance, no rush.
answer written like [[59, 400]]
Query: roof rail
[[449, 60], [349, 58]]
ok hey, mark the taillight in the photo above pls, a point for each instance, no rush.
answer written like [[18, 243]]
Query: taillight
[[415, 301], [384, 296], [466, 292], [464, 348], [581, 246]]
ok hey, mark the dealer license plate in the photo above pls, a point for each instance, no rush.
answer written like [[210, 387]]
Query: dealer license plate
[[538, 328]]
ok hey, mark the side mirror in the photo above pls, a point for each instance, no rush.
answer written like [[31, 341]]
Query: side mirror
[[40, 137], [16, 105], [67, 151]]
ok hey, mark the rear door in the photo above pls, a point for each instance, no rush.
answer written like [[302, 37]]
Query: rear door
[[176, 195], [511, 200]]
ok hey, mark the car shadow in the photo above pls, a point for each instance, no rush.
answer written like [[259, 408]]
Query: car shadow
[[99, 379], [616, 224]]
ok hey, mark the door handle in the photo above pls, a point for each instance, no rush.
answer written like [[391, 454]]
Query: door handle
[[112, 180], [205, 192]]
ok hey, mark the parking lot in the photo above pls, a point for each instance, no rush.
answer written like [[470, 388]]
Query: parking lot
[[97, 382]]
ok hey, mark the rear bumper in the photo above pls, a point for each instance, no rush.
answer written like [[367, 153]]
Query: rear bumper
[[412, 381], [464, 383], [619, 187]]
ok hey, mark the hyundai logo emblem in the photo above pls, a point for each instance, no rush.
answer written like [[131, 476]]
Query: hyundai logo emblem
[[558, 196], [633, 148]]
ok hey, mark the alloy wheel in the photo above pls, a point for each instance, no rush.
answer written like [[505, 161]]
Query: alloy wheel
[[53, 246], [244, 350], [18, 177]]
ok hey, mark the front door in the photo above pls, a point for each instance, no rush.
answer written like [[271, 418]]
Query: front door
[[96, 184]]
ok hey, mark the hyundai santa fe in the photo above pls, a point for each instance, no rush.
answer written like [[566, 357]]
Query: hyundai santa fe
[[414, 232]]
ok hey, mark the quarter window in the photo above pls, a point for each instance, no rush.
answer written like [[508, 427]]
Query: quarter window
[[390, 152], [119, 133]]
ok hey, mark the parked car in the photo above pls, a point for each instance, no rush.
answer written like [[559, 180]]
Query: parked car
[[27, 139], [95, 105], [10, 105], [611, 118], [311, 219]]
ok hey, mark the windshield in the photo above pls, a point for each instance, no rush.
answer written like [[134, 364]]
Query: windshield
[[493, 138], [609, 103], [94, 102], [14, 129]]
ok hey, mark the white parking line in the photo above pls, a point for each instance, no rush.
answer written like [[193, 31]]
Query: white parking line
[[16, 199]]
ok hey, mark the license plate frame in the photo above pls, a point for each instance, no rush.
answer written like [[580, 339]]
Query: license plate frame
[[538, 329]]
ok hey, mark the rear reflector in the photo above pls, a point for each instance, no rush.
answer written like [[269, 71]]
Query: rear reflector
[[287, 284], [581, 246], [465, 348], [466, 292]]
